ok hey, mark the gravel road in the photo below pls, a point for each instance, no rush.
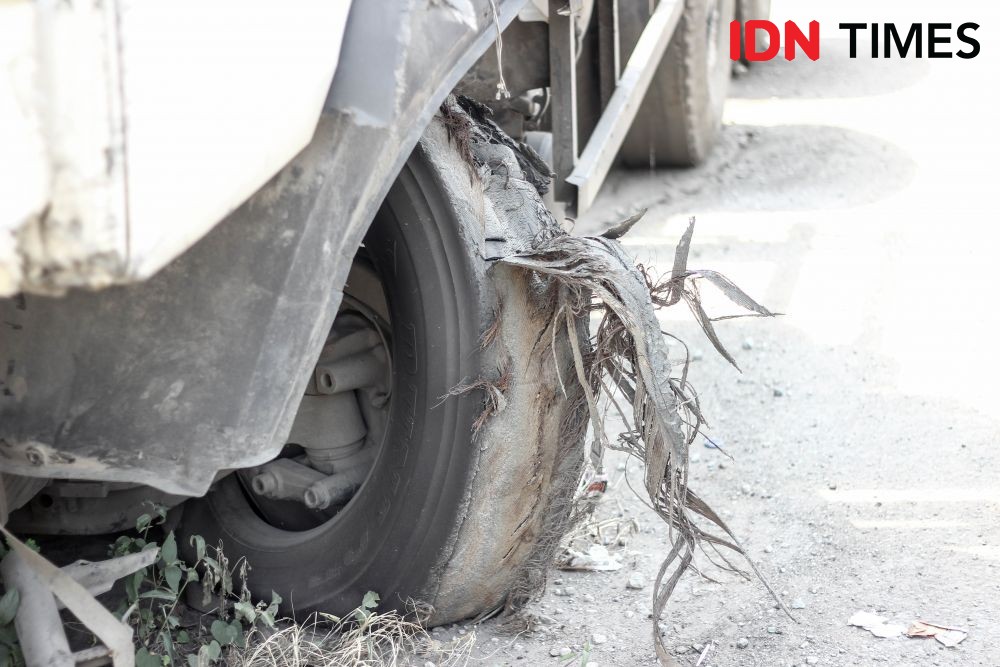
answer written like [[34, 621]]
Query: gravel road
[[854, 196]]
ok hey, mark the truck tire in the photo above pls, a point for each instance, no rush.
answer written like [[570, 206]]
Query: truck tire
[[747, 10], [679, 119], [464, 504]]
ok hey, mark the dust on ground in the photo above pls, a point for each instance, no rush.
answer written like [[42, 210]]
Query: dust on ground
[[858, 198]]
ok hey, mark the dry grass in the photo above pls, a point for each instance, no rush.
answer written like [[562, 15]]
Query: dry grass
[[372, 640]]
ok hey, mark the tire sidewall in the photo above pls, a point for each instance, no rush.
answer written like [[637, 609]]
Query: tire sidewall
[[396, 529]]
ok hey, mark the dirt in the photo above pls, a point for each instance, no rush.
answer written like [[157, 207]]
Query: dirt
[[857, 197]]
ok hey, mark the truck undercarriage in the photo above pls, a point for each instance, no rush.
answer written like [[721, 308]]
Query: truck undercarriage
[[376, 373]]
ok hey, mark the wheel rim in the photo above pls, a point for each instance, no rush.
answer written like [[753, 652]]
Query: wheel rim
[[340, 427]]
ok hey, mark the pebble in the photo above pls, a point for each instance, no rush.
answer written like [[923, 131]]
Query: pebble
[[778, 393], [742, 642], [773, 630], [636, 581], [812, 660], [748, 343], [629, 613], [798, 603], [598, 638], [697, 355], [832, 486], [559, 651]]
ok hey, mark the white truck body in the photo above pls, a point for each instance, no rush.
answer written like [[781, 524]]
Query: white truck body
[[129, 128]]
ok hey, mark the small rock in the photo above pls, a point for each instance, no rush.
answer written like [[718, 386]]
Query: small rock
[[570, 591], [746, 489], [598, 638], [559, 651], [832, 486], [558, 582], [697, 355], [812, 660], [629, 613], [742, 642], [778, 393], [798, 603], [773, 630], [748, 343], [682, 649], [636, 581], [558, 591]]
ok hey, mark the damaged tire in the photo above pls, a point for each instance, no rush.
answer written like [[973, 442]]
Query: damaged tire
[[680, 117], [473, 477]]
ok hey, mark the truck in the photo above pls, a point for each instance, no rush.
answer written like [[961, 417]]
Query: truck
[[245, 271]]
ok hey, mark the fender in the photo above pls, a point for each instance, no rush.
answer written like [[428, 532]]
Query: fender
[[201, 368]]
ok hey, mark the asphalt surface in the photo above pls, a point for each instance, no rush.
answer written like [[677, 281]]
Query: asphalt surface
[[857, 197]]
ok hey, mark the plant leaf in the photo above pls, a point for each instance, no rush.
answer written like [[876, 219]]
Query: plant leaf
[[168, 552], [371, 600], [245, 611], [9, 603], [227, 633], [143, 658], [173, 577], [132, 584], [198, 542]]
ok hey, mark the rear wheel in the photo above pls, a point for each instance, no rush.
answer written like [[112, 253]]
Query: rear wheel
[[427, 497], [680, 117], [747, 10]]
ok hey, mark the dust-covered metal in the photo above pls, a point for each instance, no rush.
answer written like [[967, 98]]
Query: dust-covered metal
[[601, 150]]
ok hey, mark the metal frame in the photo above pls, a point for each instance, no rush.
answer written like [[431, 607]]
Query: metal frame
[[588, 171]]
